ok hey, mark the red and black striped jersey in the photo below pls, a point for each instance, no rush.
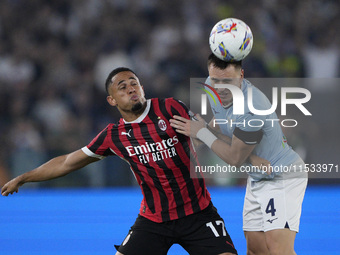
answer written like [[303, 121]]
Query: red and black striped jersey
[[159, 157]]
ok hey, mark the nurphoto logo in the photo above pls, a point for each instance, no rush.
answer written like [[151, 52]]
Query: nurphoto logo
[[239, 103]]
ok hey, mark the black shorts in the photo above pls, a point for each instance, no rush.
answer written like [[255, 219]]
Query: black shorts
[[200, 233]]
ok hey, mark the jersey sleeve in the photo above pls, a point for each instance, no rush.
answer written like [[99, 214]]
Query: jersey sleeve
[[99, 146], [248, 128]]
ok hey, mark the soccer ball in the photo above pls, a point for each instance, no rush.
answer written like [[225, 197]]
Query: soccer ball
[[231, 40]]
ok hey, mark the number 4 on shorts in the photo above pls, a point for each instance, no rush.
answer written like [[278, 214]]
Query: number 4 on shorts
[[270, 207]]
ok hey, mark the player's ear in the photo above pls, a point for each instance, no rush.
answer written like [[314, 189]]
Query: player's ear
[[143, 90], [111, 100], [241, 77], [242, 73]]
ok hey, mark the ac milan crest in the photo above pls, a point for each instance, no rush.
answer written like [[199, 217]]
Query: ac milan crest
[[162, 125]]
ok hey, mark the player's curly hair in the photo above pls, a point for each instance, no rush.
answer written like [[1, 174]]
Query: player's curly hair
[[216, 62], [113, 73]]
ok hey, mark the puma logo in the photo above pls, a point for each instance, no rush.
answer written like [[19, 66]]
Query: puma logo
[[271, 221], [128, 133]]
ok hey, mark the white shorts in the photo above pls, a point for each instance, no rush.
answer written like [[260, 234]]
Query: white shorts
[[273, 204]]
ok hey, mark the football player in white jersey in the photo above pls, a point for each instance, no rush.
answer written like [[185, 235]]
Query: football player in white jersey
[[273, 200]]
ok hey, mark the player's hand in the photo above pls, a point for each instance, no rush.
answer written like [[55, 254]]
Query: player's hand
[[11, 187], [187, 127], [261, 163]]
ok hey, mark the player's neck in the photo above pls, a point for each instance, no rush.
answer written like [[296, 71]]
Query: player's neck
[[133, 114], [130, 117]]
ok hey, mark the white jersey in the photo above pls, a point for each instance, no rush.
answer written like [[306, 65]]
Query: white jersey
[[263, 130]]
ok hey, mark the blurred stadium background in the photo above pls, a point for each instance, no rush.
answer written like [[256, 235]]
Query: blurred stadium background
[[54, 58]]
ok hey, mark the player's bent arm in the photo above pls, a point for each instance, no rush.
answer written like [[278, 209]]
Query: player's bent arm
[[253, 159], [215, 129], [235, 153], [197, 142], [56, 167]]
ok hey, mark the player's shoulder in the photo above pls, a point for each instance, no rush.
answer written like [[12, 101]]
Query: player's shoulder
[[162, 100], [170, 101], [112, 126], [106, 131], [259, 99], [173, 106], [246, 84]]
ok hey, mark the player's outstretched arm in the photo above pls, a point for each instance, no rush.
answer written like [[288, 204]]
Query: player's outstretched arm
[[56, 167]]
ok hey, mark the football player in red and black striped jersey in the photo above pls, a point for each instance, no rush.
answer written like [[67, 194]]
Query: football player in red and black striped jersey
[[176, 207]]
